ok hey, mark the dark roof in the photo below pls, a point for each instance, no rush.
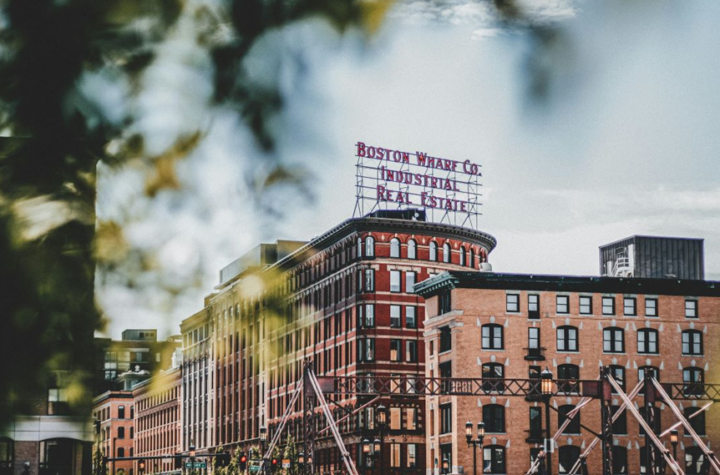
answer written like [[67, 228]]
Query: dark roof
[[370, 223], [567, 283]]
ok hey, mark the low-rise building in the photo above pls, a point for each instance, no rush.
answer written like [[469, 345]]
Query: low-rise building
[[491, 325], [114, 413], [157, 420]]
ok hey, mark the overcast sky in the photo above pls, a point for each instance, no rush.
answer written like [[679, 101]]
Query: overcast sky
[[624, 143]]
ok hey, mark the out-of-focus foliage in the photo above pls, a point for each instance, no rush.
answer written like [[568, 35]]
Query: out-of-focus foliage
[[74, 81], [60, 63]]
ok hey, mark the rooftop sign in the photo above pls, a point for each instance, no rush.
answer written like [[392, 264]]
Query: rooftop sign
[[394, 179]]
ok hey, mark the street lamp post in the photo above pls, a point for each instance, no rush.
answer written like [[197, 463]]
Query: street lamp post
[[445, 465], [191, 454], [475, 443], [366, 448], [546, 387], [381, 416], [674, 442], [263, 439]]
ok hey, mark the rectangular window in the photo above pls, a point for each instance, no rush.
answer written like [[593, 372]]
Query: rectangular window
[[445, 369], [445, 339], [411, 414], [369, 280], [395, 316], [444, 304], [411, 351], [409, 282], [410, 317], [533, 338], [691, 309], [512, 303], [395, 350], [411, 455], [533, 306], [395, 418], [630, 306], [369, 315], [366, 349], [395, 281], [608, 305], [651, 307], [446, 418], [585, 305], [562, 302], [394, 455]]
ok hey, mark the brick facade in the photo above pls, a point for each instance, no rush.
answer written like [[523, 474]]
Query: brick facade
[[609, 334], [331, 301]]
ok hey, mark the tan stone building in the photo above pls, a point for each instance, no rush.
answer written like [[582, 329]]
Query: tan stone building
[[490, 325]]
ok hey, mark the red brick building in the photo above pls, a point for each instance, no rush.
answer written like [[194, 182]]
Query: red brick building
[[488, 325], [157, 420], [116, 412], [344, 300]]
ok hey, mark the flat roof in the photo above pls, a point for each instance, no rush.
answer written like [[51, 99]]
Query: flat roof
[[569, 283]]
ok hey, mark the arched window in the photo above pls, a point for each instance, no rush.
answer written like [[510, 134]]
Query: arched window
[[692, 342], [369, 246], [471, 262], [494, 460], [569, 454], [359, 248], [395, 247], [647, 341], [620, 465], [641, 374], [569, 374], [491, 372], [567, 338], [694, 379], [412, 249], [463, 257], [613, 340], [494, 418], [694, 460], [433, 251], [121, 412], [574, 426], [618, 373], [492, 337], [446, 252]]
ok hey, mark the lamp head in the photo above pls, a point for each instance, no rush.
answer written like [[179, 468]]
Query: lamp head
[[376, 446], [481, 429], [546, 382], [381, 414], [468, 431], [674, 436], [366, 446]]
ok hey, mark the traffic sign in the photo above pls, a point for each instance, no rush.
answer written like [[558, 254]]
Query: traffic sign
[[202, 465]]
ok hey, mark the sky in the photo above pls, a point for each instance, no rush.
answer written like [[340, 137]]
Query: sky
[[623, 142]]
